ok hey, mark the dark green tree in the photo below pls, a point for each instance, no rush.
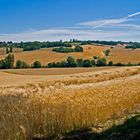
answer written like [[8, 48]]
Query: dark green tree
[[93, 62], [36, 64], [101, 62], [71, 61], [110, 63], [18, 64], [9, 61], [7, 50], [87, 63], [79, 62], [78, 48]]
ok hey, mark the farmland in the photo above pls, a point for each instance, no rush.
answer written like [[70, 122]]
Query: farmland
[[118, 54], [62, 103], [46, 56]]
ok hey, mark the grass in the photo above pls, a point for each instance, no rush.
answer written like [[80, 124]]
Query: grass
[[62, 106]]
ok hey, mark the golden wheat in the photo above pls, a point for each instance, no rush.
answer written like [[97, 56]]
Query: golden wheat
[[64, 105]]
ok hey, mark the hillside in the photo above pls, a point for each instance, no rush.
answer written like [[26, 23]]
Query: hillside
[[47, 55], [120, 54], [117, 54]]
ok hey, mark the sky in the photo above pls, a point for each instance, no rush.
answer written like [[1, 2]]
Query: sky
[[53, 20]]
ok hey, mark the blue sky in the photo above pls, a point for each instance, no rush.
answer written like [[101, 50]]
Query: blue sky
[[43, 20]]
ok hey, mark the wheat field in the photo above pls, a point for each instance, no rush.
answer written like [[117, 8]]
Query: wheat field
[[68, 103]]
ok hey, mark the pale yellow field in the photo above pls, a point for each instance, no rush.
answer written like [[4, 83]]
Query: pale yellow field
[[67, 102], [120, 54], [23, 76]]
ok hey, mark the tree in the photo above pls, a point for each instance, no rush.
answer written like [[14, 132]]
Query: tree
[[25, 65], [78, 48], [101, 62], [93, 62], [79, 62], [11, 49], [2, 64], [110, 63], [107, 52], [7, 50], [9, 61], [18, 64], [37, 64], [71, 62], [87, 63]]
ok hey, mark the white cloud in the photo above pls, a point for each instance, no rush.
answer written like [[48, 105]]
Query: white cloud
[[114, 29], [132, 15], [66, 34], [108, 22]]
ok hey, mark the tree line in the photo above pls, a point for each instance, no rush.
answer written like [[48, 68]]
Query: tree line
[[8, 63], [29, 46], [133, 46]]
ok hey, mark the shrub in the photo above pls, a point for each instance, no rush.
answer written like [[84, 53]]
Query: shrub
[[101, 62], [95, 57], [71, 62], [21, 64], [18, 64], [107, 52], [119, 64], [36, 64], [93, 62], [110, 63], [31, 48], [68, 49], [79, 62], [78, 48], [87, 63], [2, 64], [63, 49]]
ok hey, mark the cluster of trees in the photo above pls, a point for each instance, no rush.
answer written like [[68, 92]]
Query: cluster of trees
[[95, 62], [102, 42], [28, 46], [78, 48], [71, 62], [9, 49], [133, 46], [21, 64], [8, 62]]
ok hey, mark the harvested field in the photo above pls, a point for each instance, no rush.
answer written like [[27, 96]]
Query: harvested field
[[46, 56], [15, 50], [55, 71], [67, 103], [11, 77], [118, 54], [122, 55]]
